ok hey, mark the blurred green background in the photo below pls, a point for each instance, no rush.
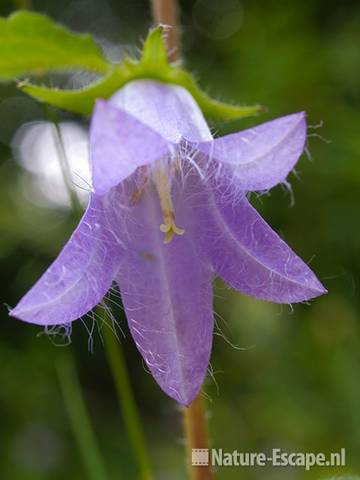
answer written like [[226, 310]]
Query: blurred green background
[[294, 383]]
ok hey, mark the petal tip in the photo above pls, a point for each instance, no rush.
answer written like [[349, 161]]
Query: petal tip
[[321, 290], [317, 287], [314, 291], [15, 312], [301, 118], [185, 401], [293, 119], [300, 114], [18, 313]]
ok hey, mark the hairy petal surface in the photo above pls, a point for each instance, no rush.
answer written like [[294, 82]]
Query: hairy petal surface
[[119, 143], [260, 157], [248, 255], [81, 275], [169, 110], [167, 295]]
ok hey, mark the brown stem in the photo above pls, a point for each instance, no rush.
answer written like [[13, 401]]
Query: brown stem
[[23, 4], [166, 12], [196, 431]]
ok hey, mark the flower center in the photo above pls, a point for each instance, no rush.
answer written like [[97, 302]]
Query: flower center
[[168, 227]]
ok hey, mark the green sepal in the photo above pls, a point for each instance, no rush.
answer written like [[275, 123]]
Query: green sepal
[[153, 64], [154, 50]]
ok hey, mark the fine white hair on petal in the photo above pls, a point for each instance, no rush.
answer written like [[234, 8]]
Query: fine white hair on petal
[[59, 335], [260, 157], [119, 144]]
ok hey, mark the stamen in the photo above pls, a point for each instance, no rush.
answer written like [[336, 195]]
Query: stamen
[[168, 227]]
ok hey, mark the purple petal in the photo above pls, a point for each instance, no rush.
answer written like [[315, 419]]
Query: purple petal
[[169, 110], [119, 143], [252, 258], [260, 157], [80, 276], [167, 295]]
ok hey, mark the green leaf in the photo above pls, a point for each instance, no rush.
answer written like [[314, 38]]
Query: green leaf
[[152, 65], [210, 107], [82, 101], [78, 101], [32, 44], [154, 51]]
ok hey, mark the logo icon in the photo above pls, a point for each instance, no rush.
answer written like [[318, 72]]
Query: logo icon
[[200, 457]]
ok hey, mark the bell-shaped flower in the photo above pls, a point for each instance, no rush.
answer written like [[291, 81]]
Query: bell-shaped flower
[[167, 214]]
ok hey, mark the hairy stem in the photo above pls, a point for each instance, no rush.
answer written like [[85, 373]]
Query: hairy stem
[[65, 170], [130, 413], [79, 418], [196, 432], [114, 355], [69, 381], [166, 12]]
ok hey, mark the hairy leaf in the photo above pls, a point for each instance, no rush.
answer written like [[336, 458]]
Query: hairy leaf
[[152, 65]]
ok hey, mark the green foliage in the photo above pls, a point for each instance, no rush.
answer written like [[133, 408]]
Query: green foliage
[[154, 51], [32, 44], [82, 101]]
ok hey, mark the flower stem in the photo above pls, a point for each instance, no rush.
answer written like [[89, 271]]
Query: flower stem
[[112, 346], [196, 432], [130, 413], [65, 170], [79, 418], [69, 382], [23, 4], [166, 12]]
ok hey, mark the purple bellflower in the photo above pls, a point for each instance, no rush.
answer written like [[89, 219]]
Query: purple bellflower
[[167, 214]]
